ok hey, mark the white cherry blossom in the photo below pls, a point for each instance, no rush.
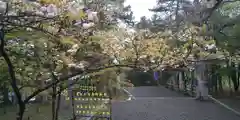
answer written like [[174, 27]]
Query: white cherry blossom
[[92, 16], [43, 9], [88, 25], [52, 8]]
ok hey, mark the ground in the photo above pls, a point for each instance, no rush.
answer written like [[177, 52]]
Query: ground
[[151, 103], [158, 103]]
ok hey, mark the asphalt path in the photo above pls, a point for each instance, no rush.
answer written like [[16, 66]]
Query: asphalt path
[[159, 103]]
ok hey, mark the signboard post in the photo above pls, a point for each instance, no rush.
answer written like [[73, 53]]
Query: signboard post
[[90, 103]]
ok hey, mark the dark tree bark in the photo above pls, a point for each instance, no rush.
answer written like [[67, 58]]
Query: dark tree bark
[[58, 104], [54, 101], [5, 95], [73, 106], [233, 76], [11, 72]]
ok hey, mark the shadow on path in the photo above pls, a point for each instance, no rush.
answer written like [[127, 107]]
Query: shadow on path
[[156, 91]]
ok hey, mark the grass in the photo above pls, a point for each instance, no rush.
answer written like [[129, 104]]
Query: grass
[[38, 112], [34, 112], [44, 111]]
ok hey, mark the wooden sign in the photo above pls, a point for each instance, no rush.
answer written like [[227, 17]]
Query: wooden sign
[[90, 103]]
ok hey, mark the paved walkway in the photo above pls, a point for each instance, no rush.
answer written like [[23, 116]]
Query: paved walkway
[[159, 103]]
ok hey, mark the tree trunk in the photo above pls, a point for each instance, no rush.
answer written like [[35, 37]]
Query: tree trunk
[[5, 95], [58, 104], [22, 108], [229, 75], [220, 85], [73, 106], [184, 82], [6, 100], [54, 101], [233, 75], [171, 82], [177, 79], [192, 82], [214, 79], [238, 74]]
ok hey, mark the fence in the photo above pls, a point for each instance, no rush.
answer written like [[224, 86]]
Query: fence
[[182, 81], [223, 79]]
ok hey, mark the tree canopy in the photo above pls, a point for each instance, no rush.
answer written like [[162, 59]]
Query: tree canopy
[[57, 40]]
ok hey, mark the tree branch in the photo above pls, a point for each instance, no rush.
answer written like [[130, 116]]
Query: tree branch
[[210, 11], [64, 78]]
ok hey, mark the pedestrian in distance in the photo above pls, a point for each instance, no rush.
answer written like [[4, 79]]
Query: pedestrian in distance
[[201, 78]]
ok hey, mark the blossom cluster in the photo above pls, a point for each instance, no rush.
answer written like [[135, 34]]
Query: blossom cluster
[[82, 16]]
